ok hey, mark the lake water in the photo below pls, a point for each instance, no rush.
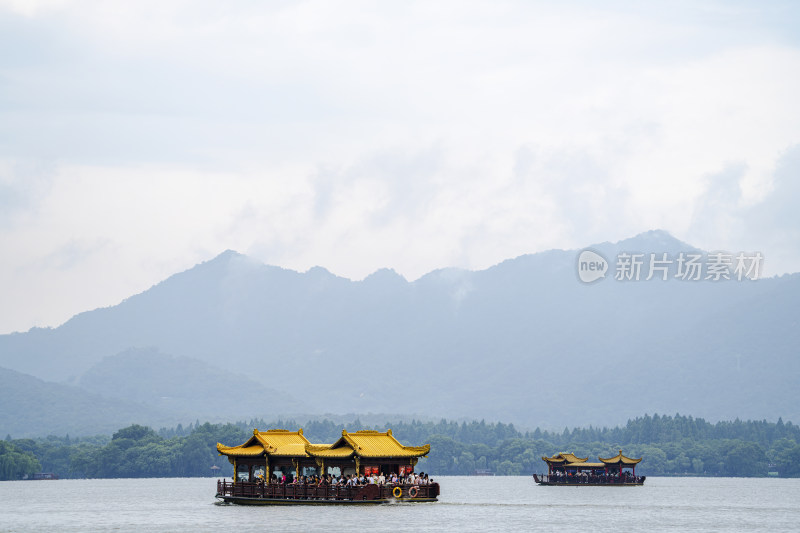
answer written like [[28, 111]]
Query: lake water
[[466, 504]]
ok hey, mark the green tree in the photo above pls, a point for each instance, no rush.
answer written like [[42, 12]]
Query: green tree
[[16, 463], [507, 468], [788, 461], [135, 433], [746, 459], [466, 463]]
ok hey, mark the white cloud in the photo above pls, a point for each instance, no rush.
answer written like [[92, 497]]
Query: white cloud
[[137, 139]]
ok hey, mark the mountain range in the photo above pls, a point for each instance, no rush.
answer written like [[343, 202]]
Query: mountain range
[[524, 341]]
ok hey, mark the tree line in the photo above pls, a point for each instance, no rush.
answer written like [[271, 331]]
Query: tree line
[[671, 445]]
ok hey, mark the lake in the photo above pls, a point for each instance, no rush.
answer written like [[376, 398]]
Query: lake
[[466, 504]]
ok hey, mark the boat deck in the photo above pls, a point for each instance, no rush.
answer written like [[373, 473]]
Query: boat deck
[[247, 493]]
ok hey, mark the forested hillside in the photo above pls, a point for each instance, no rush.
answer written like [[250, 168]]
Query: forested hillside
[[670, 445]]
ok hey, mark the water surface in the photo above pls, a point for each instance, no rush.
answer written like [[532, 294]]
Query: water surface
[[466, 504]]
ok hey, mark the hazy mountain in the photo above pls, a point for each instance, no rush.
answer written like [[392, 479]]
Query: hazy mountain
[[140, 386], [523, 341], [32, 407], [184, 387]]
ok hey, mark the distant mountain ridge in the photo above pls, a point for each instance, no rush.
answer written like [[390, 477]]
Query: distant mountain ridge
[[523, 341], [32, 407], [135, 386], [184, 386]]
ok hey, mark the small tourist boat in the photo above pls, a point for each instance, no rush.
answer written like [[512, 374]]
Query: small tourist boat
[[565, 469], [273, 468], [44, 475]]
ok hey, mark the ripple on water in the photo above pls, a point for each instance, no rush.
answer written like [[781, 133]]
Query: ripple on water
[[466, 504]]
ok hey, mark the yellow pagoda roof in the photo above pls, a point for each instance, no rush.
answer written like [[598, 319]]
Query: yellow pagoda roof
[[369, 443], [280, 442], [275, 442], [619, 458], [564, 457], [586, 465], [283, 442]]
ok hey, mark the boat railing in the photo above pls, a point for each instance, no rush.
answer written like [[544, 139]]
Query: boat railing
[[589, 480], [300, 491]]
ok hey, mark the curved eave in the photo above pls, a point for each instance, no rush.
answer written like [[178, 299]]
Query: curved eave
[[562, 458], [619, 458], [329, 453], [240, 451], [374, 444], [407, 452], [417, 451], [381, 456]]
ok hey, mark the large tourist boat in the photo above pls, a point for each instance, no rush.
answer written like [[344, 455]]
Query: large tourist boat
[[279, 467], [565, 469]]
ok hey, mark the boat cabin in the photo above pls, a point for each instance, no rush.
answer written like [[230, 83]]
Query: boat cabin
[[567, 468], [271, 461], [278, 454]]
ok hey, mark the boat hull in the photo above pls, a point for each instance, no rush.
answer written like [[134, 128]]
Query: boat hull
[[543, 480], [592, 484], [240, 500]]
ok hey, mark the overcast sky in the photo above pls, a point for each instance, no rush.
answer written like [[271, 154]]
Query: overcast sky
[[140, 138]]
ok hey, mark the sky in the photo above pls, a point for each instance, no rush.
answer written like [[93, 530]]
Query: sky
[[138, 139]]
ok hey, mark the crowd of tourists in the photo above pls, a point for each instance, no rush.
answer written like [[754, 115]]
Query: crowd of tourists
[[593, 477], [354, 480]]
